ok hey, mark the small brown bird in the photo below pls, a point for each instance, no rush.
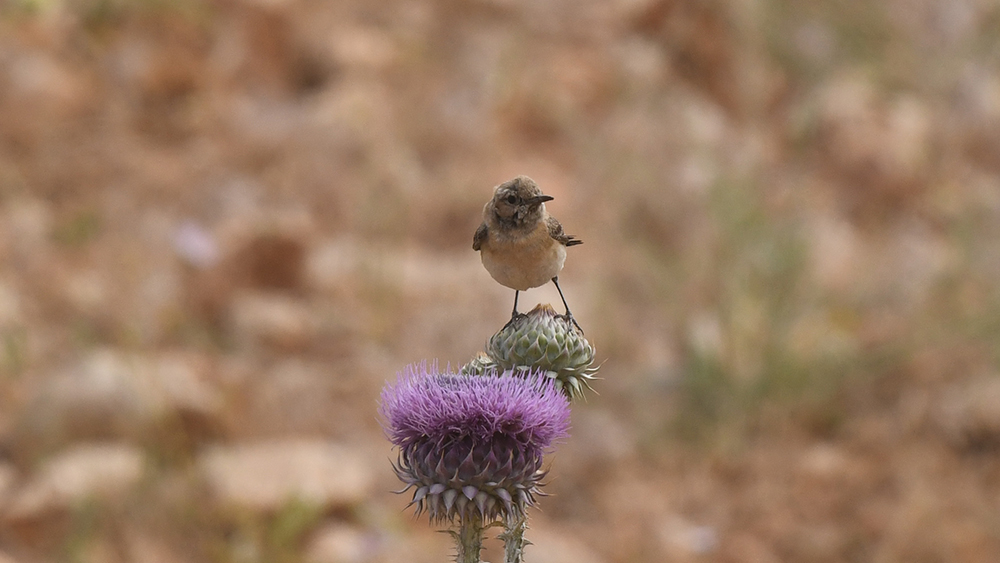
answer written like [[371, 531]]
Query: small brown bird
[[521, 245]]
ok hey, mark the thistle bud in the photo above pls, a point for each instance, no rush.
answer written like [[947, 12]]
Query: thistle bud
[[479, 365], [544, 340]]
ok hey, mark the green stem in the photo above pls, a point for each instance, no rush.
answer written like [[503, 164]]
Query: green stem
[[469, 538], [513, 539]]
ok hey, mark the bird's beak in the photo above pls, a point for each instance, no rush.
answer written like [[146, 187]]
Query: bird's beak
[[538, 200]]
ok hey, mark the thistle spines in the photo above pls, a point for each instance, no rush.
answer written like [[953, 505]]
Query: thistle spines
[[513, 539]]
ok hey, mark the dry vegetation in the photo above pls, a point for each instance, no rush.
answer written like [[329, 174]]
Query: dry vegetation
[[224, 224]]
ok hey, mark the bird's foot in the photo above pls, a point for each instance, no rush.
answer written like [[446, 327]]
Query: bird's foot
[[514, 317], [569, 317]]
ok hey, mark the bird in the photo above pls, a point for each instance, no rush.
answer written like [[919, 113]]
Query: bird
[[520, 244]]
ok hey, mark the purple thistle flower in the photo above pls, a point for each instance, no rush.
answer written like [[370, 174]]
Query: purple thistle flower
[[472, 443]]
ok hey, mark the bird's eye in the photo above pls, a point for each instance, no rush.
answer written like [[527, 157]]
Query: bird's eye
[[511, 199]]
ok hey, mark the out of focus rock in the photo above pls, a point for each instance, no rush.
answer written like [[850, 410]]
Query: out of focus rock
[[340, 543], [8, 473], [29, 222], [748, 547], [251, 250], [836, 252], [413, 547], [110, 394], [48, 84], [921, 258], [333, 264], [95, 398], [969, 414], [100, 549], [272, 261], [683, 540], [553, 546], [706, 334], [147, 549], [906, 261], [909, 127], [261, 49], [264, 476], [700, 39], [881, 146], [274, 320], [272, 4], [824, 462], [980, 100], [87, 291], [10, 305], [603, 440], [816, 41], [356, 47], [179, 391], [91, 471], [848, 113], [4, 558], [293, 397]]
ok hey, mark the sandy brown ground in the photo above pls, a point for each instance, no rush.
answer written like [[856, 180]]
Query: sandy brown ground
[[224, 225]]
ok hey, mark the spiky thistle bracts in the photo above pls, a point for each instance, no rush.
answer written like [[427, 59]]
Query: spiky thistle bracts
[[472, 444], [541, 340], [480, 365]]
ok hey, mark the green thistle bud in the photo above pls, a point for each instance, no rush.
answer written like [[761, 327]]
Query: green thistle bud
[[479, 365], [545, 340]]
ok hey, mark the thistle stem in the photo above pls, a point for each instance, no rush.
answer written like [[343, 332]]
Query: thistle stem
[[513, 539], [469, 538]]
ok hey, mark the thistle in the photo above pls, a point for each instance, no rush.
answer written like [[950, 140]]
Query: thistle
[[480, 365], [472, 447], [471, 444], [546, 341]]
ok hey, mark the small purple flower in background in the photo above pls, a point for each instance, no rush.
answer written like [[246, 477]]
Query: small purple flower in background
[[472, 446], [196, 245]]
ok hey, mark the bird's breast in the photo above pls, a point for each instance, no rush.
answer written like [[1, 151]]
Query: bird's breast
[[524, 262]]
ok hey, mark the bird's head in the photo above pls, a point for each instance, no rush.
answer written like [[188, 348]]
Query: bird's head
[[519, 201]]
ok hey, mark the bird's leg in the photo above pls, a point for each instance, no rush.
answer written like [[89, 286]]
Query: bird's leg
[[569, 315], [514, 314]]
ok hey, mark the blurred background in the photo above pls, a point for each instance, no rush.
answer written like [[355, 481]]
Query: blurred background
[[225, 224]]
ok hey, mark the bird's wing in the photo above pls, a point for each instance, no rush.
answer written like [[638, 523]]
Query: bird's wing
[[556, 232], [479, 237]]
